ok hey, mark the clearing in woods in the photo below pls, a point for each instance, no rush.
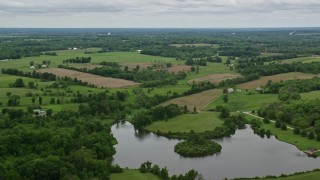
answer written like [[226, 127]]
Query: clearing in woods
[[98, 81], [200, 100], [275, 78]]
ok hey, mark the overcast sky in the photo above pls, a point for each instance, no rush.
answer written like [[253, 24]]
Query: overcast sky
[[160, 13]]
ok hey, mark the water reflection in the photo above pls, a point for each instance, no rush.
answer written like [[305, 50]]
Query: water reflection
[[243, 155]]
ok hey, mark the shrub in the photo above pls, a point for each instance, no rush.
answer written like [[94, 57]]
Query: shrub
[[296, 130], [266, 121], [311, 135], [283, 126]]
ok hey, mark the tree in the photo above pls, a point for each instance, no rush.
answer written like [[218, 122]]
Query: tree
[[185, 109], [18, 83], [225, 113], [14, 100], [225, 98], [289, 92], [296, 130], [164, 174], [33, 99], [49, 112], [143, 168], [228, 61], [58, 101], [284, 126], [31, 85], [266, 120], [311, 135], [31, 63], [52, 101], [40, 100], [8, 94]]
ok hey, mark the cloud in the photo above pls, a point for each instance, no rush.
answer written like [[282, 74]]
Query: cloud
[[170, 11], [146, 6]]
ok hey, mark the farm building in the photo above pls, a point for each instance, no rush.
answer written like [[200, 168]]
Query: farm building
[[39, 112], [230, 90], [259, 89]]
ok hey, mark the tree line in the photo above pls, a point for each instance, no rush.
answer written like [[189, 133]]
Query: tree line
[[78, 60], [147, 77]]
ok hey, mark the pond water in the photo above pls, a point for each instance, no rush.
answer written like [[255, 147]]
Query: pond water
[[243, 155]]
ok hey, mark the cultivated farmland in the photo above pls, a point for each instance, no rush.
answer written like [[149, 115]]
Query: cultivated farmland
[[200, 100], [275, 78], [98, 81], [215, 78], [182, 68]]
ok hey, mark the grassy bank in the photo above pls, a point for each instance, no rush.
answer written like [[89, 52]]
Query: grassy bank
[[133, 175]]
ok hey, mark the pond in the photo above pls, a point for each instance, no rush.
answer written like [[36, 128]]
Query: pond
[[243, 155]]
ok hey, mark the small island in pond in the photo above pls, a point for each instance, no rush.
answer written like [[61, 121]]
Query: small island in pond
[[197, 146]]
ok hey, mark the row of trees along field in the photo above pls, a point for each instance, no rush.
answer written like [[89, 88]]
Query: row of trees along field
[[44, 76], [78, 60], [293, 86], [147, 77], [276, 68], [252, 70]]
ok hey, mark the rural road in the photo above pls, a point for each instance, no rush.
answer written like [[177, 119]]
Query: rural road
[[248, 113]]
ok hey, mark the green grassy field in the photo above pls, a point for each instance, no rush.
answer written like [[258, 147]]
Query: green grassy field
[[133, 175], [211, 68], [184, 123], [243, 102], [308, 176], [23, 64], [6, 80], [310, 95]]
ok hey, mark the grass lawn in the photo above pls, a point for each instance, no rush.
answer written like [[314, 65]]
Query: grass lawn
[[184, 123], [133, 175], [302, 143], [243, 102], [309, 176]]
